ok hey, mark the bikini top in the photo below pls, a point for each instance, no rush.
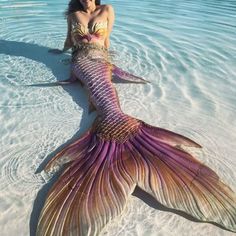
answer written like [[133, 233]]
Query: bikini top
[[98, 30]]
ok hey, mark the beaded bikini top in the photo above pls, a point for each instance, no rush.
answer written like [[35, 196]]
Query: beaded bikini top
[[97, 30]]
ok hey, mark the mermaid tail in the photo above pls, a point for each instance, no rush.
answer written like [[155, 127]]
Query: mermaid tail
[[119, 153], [111, 159]]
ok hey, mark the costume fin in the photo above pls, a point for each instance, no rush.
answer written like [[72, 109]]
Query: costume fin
[[170, 137], [70, 153], [177, 180], [121, 75], [90, 192], [110, 160]]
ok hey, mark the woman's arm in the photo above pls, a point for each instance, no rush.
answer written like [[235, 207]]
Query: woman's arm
[[110, 19], [68, 42]]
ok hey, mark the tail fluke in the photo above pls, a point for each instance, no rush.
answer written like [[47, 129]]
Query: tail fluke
[[72, 152], [105, 169], [179, 181], [91, 192]]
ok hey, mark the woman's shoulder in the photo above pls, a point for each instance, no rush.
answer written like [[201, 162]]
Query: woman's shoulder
[[71, 15], [107, 7]]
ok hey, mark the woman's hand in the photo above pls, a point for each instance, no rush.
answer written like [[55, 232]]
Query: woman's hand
[[72, 79], [67, 46], [64, 82]]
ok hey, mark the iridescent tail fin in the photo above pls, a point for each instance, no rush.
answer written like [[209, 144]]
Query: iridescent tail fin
[[92, 190], [177, 180], [122, 75], [105, 169]]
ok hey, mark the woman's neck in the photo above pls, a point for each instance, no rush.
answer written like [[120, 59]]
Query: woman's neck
[[90, 9]]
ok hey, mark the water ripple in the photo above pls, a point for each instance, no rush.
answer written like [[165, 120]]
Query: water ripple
[[185, 48]]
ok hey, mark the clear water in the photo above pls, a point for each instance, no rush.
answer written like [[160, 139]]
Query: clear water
[[187, 49]]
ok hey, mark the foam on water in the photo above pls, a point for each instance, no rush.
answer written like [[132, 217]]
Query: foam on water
[[185, 48]]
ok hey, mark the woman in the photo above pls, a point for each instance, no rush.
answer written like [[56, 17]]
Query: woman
[[120, 152], [87, 22], [85, 15]]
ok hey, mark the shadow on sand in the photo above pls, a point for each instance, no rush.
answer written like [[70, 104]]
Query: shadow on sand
[[40, 54], [60, 71]]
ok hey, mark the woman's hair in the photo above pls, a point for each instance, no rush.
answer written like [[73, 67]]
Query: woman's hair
[[75, 5]]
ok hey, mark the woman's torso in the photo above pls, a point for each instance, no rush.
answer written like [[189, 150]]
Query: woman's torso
[[89, 28]]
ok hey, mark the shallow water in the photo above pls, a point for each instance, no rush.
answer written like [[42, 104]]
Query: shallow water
[[185, 48]]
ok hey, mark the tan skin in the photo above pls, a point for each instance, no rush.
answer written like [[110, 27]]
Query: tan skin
[[91, 14]]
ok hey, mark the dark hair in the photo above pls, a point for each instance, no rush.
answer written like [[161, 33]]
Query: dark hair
[[75, 5]]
